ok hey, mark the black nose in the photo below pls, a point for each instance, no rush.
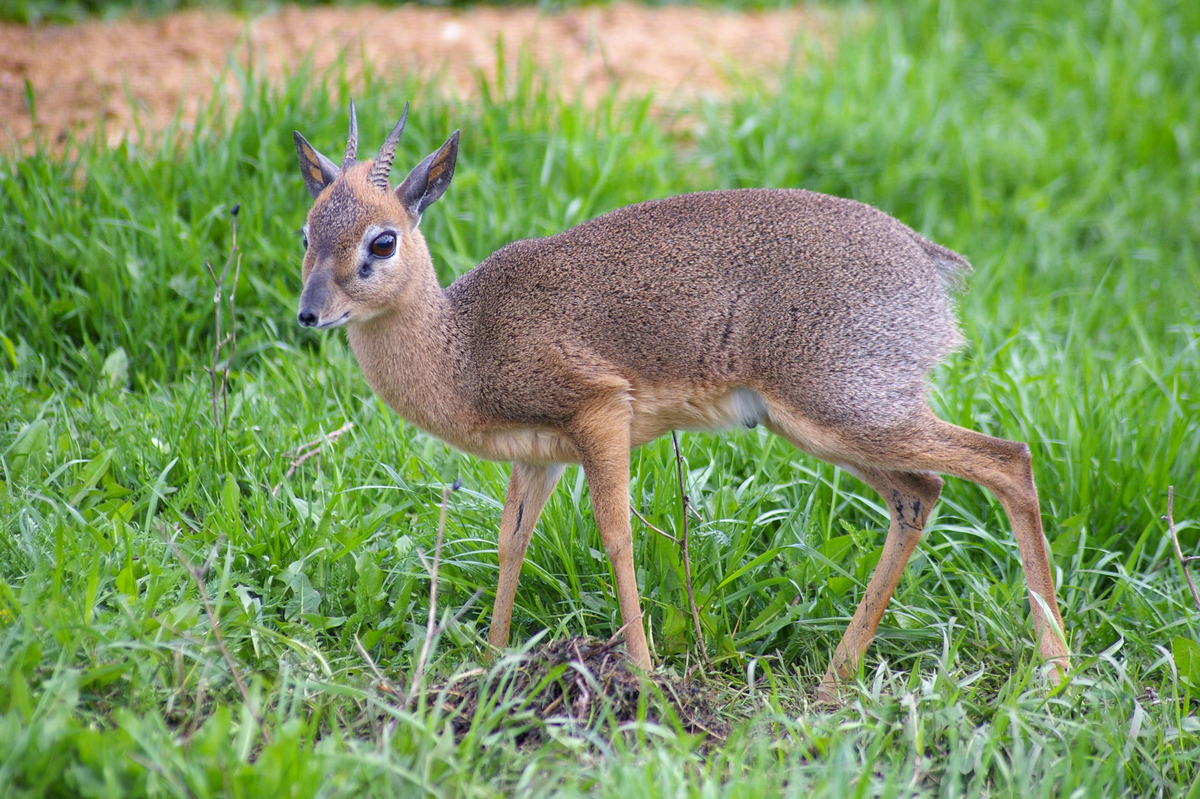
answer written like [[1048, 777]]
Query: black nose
[[307, 318]]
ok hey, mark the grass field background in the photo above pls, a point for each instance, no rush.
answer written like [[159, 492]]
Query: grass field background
[[1055, 144]]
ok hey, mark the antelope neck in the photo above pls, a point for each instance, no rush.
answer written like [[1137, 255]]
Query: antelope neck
[[407, 354]]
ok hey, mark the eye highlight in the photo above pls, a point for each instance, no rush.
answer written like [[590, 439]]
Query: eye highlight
[[384, 245]]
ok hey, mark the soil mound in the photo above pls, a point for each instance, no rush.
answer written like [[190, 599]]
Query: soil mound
[[580, 684]]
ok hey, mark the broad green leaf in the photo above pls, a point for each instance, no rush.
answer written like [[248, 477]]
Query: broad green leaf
[[840, 585], [92, 473], [7, 344], [103, 675], [26, 454], [116, 368], [835, 548], [127, 582], [674, 631], [18, 695], [323, 622], [1194, 791], [305, 599], [864, 564], [231, 497], [370, 638], [368, 593], [309, 510], [30, 657], [1186, 654], [1067, 540]]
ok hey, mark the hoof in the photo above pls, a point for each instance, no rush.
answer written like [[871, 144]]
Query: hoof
[[827, 694]]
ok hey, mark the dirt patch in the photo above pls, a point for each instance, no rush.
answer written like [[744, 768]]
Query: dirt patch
[[98, 70], [577, 684]]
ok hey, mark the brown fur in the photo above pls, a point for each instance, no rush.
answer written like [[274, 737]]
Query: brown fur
[[816, 316]]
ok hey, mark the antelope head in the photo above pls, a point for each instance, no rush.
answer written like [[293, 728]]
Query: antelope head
[[362, 246]]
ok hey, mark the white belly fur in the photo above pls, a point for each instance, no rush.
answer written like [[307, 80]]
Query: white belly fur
[[654, 411], [658, 410]]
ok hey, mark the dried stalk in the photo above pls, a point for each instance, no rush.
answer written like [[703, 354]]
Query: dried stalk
[[431, 627], [304, 452], [1183, 561], [686, 505], [197, 575], [654, 529], [383, 685], [619, 634], [219, 390]]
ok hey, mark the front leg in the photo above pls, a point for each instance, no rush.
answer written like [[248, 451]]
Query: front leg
[[528, 489], [602, 438]]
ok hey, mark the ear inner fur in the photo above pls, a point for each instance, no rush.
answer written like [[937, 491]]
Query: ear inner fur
[[317, 170], [428, 180]]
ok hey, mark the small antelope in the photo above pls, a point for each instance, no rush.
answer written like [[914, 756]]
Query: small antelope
[[815, 316]]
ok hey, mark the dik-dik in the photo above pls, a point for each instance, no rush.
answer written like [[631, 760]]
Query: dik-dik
[[817, 317]]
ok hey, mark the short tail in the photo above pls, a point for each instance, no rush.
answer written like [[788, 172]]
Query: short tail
[[952, 267]]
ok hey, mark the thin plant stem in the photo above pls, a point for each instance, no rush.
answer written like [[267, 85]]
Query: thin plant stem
[[197, 575], [220, 400], [1183, 562], [431, 627], [685, 504]]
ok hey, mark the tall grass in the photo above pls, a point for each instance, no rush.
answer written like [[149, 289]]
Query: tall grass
[[1053, 144]]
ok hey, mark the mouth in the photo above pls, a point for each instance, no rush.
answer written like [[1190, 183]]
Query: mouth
[[341, 320]]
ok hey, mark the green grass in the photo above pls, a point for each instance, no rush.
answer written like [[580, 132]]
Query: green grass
[[1056, 145]]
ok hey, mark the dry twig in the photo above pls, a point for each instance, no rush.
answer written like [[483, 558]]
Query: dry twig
[[219, 393], [654, 529], [619, 634], [1183, 561], [431, 627], [384, 685], [197, 575], [312, 449], [457, 617], [686, 505]]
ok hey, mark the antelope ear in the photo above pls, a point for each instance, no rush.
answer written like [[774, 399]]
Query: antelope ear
[[318, 171], [429, 179]]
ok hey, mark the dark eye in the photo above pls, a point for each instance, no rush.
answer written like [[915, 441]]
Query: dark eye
[[384, 245], [306, 242]]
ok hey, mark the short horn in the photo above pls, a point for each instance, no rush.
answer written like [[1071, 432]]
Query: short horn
[[352, 143], [383, 162]]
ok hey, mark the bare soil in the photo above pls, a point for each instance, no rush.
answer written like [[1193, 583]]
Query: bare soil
[[106, 70], [596, 685]]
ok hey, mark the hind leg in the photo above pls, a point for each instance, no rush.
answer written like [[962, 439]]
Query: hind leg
[[924, 443], [909, 497], [1006, 469]]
